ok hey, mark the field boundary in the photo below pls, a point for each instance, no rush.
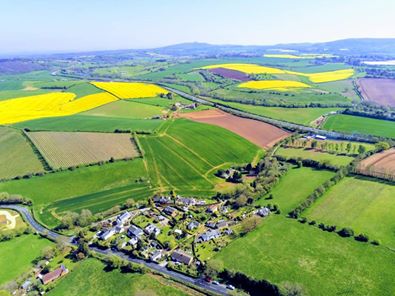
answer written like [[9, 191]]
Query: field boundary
[[37, 152]]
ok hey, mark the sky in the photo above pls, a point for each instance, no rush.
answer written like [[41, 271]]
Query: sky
[[30, 26]]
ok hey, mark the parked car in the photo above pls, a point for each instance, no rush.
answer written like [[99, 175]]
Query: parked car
[[215, 283], [230, 287]]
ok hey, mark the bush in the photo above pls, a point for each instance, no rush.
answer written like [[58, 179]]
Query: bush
[[362, 238], [346, 232], [375, 242]]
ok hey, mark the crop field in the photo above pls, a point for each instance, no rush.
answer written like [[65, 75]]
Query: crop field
[[262, 134], [23, 250], [49, 105], [64, 149], [380, 164], [284, 193], [313, 77], [283, 250], [89, 123], [186, 156], [303, 116], [322, 157], [89, 278], [379, 91], [46, 190], [231, 74], [362, 204], [279, 85], [132, 90], [16, 155], [126, 109], [360, 125]]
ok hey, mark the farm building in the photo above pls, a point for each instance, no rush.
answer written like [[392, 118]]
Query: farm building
[[107, 234], [53, 275], [134, 230], [123, 218], [180, 256]]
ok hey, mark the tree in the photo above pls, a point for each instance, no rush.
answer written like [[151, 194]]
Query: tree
[[346, 232], [250, 224], [348, 147], [169, 95], [48, 253], [381, 146], [85, 218], [361, 149]]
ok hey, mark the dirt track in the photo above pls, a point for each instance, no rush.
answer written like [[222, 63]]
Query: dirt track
[[262, 134], [379, 91]]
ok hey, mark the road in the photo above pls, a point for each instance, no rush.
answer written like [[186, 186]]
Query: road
[[278, 123], [198, 283]]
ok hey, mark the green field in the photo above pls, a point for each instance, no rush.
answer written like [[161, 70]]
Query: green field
[[285, 194], [126, 109], [16, 155], [90, 123], [284, 250], [332, 159], [302, 116], [185, 155], [89, 278], [46, 190], [362, 204], [360, 125], [16, 255], [84, 89]]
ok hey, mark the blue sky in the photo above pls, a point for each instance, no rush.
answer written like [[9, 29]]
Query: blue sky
[[53, 25]]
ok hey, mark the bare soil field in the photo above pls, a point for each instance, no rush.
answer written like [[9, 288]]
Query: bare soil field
[[232, 74], [379, 165], [68, 149], [262, 134], [379, 91]]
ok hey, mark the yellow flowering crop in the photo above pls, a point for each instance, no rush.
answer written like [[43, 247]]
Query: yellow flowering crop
[[313, 77], [279, 85], [132, 90], [49, 105]]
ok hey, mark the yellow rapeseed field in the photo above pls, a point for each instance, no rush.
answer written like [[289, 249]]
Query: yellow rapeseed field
[[132, 90], [279, 85], [49, 105], [313, 77], [248, 68]]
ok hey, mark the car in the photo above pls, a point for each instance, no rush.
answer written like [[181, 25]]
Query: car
[[230, 287], [215, 283]]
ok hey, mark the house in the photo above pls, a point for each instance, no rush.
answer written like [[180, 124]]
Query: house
[[151, 228], [212, 208], [209, 235], [26, 285], [170, 211], [156, 256], [211, 224], [228, 231], [192, 225], [180, 256], [178, 232], [186, 201], [119, 228], [134, 230], [107, 234], [54, 275], [162, 199], [263, 212], [133, 241], [200, 202], [123, 218], [221, 224]]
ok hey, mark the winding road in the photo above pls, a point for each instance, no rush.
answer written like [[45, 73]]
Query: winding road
[[179, 277]]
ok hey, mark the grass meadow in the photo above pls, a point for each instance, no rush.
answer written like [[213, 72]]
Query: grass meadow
[[283, 250], [360, 125], [362, 204]]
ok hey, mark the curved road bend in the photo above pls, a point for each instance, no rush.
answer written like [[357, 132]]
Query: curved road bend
[[199, 283]]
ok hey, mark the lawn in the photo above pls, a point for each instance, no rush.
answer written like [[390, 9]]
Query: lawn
[[90, 278], [305, 180], [295, 115], [362, 204], [284, 250], [186, 154], [361, 125], [17, 254], [51, 188], [90, 123], [335, 160], [16, 155]]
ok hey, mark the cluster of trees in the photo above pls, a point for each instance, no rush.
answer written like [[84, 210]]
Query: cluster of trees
[[321, 165], [70, 220], [114, 262], [6, 198], [15, 233], [371, 111], [379, 72]]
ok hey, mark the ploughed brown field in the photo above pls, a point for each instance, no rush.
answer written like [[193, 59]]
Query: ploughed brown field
[[377, 90], [262, 134], [231, 74], [66, 149], [379, 165]]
